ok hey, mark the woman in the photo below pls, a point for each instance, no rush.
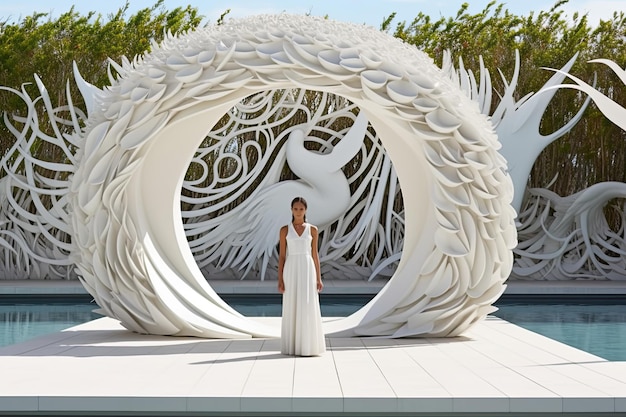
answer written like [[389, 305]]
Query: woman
[[300, 280]]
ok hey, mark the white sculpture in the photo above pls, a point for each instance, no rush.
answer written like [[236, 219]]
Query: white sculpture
[[442, 150], [566, 238], [129, 242], [322, 183], [365, 237], [613, 111], [35, 244], [516, 121]]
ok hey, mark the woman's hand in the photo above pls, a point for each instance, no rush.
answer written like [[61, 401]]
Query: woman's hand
[[281, 286], [320, 285]]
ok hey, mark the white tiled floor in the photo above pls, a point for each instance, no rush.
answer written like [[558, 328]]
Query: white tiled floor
[[495, 367]]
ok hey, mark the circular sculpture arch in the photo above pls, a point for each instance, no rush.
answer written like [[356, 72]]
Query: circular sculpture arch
[[129, 242]]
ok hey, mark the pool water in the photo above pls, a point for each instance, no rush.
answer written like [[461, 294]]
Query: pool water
[[332, 305], [598, 327], [22, 320]]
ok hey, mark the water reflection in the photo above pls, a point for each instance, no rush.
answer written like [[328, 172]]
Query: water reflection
[[20, 322]]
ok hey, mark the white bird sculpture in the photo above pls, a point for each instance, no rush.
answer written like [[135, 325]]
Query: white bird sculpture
[[251, 231]]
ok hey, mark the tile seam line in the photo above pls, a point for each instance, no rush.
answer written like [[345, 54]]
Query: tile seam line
[[381, 371], [207, 371], [343, 395], [515, 370], [426, 370], [243, 386], [470, 370]]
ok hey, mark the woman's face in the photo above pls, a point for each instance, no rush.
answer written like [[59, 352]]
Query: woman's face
[[298, 211]]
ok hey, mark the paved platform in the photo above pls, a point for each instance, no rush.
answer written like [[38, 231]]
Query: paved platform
[[495, 369]]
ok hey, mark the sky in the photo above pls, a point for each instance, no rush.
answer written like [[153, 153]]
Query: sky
[[370, 12]]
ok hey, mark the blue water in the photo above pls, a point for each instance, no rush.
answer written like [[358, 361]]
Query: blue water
[[21, 320], [270, 305], [597, 327]]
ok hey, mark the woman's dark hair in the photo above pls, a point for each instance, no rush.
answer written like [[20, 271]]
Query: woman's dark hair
[[299, 200]]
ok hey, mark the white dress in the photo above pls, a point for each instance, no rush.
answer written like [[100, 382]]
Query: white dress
[[301, 330]]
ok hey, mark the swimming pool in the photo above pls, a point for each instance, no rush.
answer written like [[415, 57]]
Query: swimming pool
[[597, 326], [23, 319]]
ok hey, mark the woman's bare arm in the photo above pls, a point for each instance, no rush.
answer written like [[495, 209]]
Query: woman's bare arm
[[316, 258], [282, 253]]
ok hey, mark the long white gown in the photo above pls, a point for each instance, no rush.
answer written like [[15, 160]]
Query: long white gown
[[301, 329]]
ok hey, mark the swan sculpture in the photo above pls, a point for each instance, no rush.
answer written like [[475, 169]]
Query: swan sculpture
[[249, 232]]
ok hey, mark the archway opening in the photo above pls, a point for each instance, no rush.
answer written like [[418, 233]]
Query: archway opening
[[243, 162]]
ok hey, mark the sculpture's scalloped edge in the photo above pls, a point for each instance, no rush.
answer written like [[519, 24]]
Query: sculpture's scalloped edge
[[128, 241]]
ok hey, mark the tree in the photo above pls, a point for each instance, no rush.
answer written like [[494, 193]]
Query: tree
[[594, 150], [48, 47]]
